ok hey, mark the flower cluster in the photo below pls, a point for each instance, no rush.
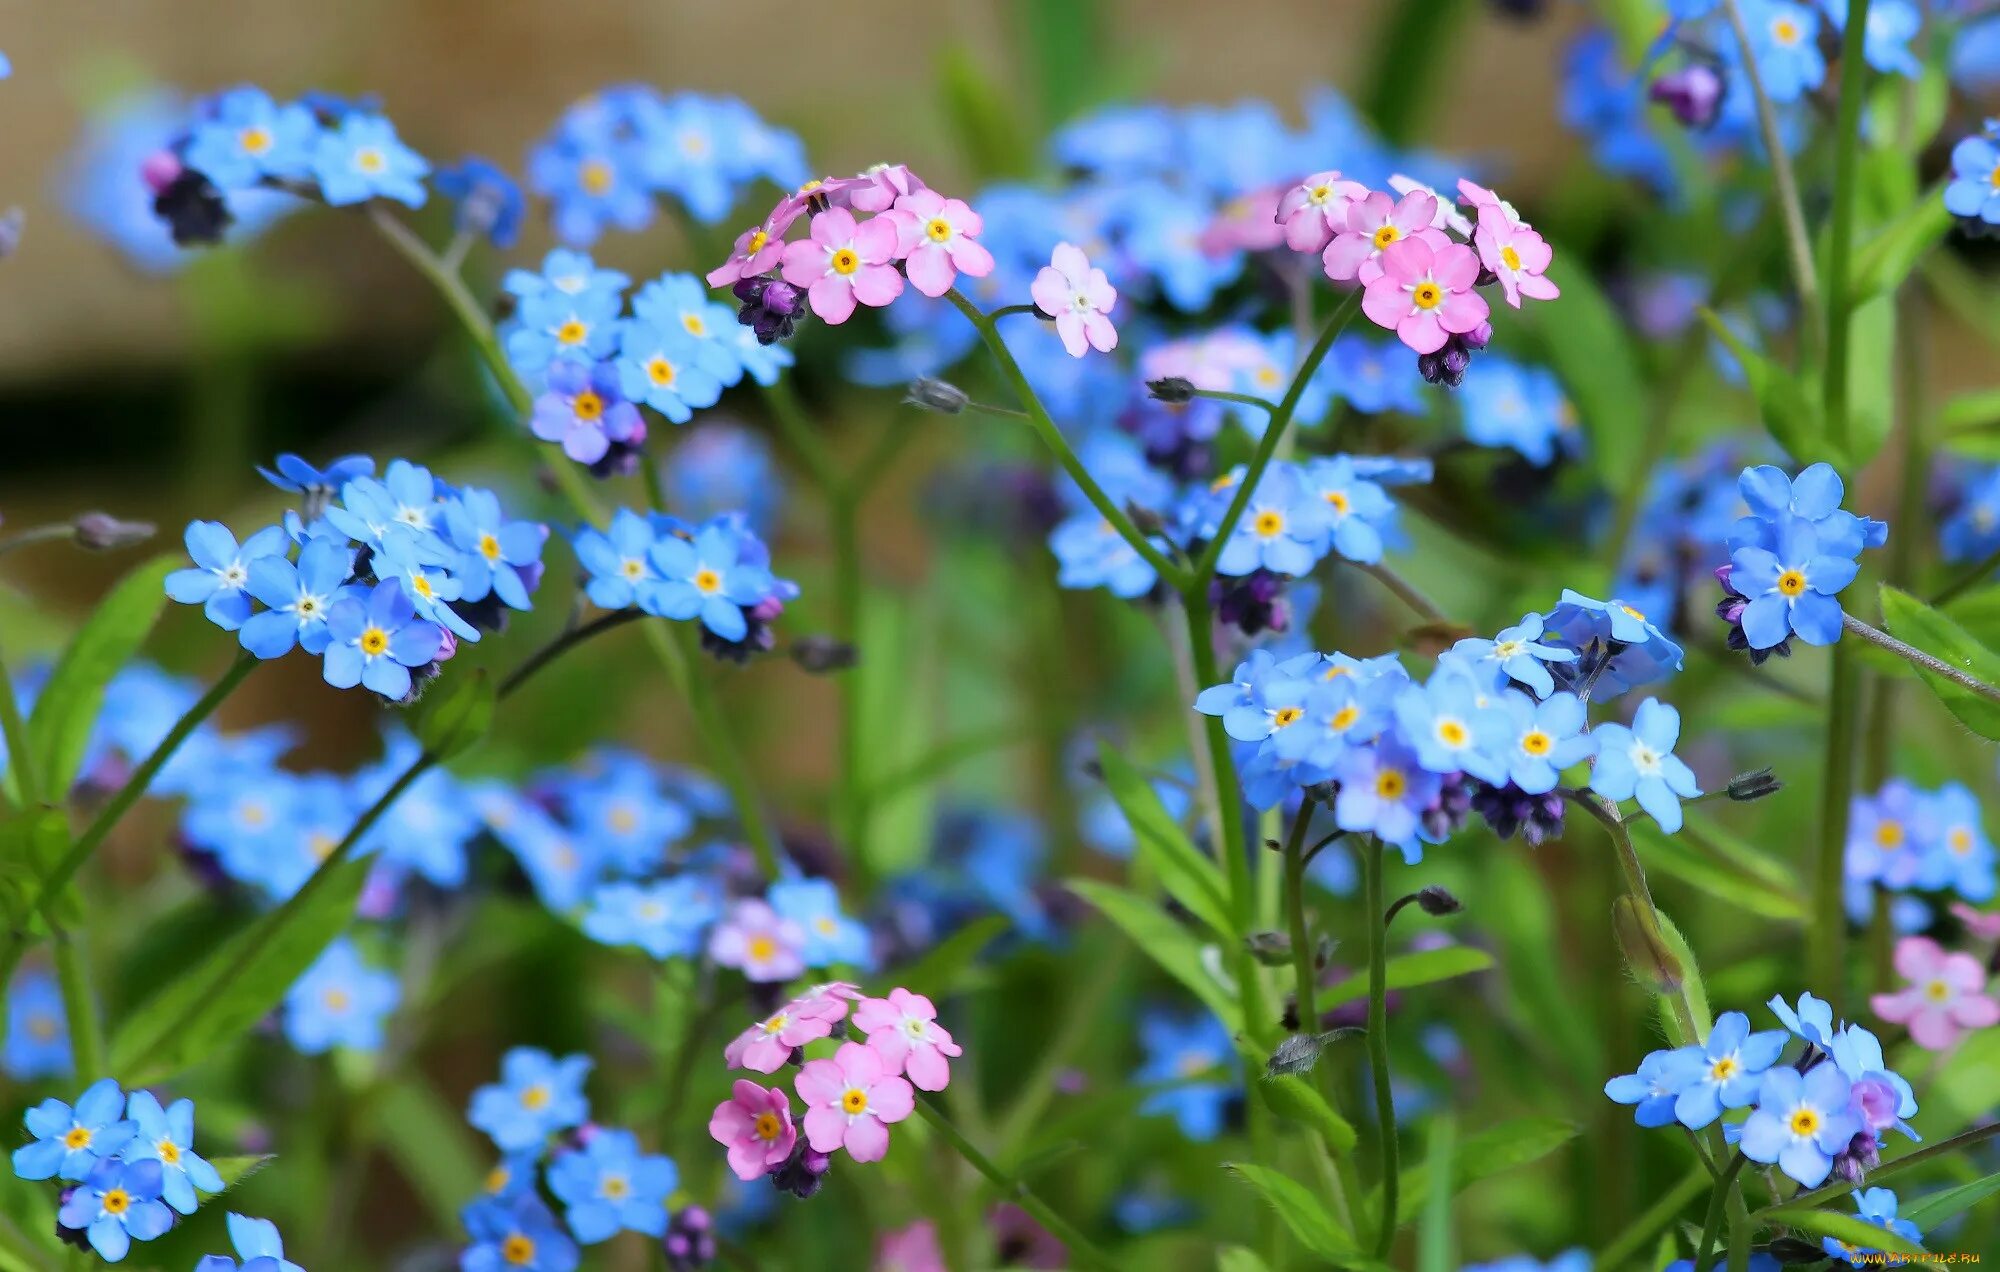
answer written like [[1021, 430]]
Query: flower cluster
[[1826, 1113], [1791, 553], [850, 1097], [381, 578], [1905, 840], [128, 1164], [613, 155], [1945, 998], [592, 365], [718, 572], [1492, 729]]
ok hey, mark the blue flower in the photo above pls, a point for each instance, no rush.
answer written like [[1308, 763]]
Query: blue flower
[[667, 919], [1335, 713], [429, 827], [299, 596], [582, 408], [166, 1136], [340, 1001], [221, 572], [117, 1203], [1360, 512], [1801, 1123], [1639, 762], [589, 176], [1281, 528], [1119, 141], [1891, 836], [670, 370], [1725, 1072], [683, 303], [1973, 193], [37, 1042], [362, 159], [1518, 652], [1972, 530], [486, 202], [1163, 238], [1876, 1206], [609, 1185], [558, 326], [516, 1235], [496, 557], [1963, 859], [1385, 790], [376, 642], [1812, 1021], [70, 1142], [568, 273], [1178, 1048], [257, 1244], [1454, 726], [718, 468], [561, 869], [688, 145], [1639, 653], [295, 474], [1886, 42], [1784, 38], [621, 812], [706, 579], [537, 1095], [1545, 738], [1653, 1089], [403, 504], [618, 560], [831, 937], [1504, 404], [247, 138], [1263, 694], [1814, 496], [1791, 589], [1374, 376], [1882, 1098], [412, 561]]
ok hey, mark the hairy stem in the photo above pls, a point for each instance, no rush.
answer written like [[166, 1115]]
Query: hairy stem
[[1370, 856], [1719, 1196], [1798, 241], [1840, 234], [86, 1030], [1304, 974], [1919, 659]]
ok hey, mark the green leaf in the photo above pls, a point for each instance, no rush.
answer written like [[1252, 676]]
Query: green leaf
[[943, 968], [1928, 1212], [1726, 845], [1239, 1259], [31, 844], [1165, 941], [1871, 370], [1692, 987], [1407, 971], [1063, 48], [1790, 416], [431, 1147], [1434, 1253], [1310, 1222], [67, 707], [453, 716], [1977, 409], [234, 1170], [1915, 623], [1294, 1099], [1586, 342], [1884, 261], [1676, 856], [186, 1022], [1539, 985], [1189, 877], [1978, 612], [990, 130], [1842, 1227], [1491, 1152]]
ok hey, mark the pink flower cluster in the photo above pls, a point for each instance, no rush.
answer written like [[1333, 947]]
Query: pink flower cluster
[[849, 1099], [1945, 999], [1417, 280]]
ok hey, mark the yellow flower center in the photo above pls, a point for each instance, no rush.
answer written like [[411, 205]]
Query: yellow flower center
[[497, 1179], [1536, 742], [1285, 717], [116, 1202], [707, 582], [336, 1000], [78, 1137], [767, 1126], [1269, 523], [1785, 31], [1724, 1069], [633, 568], [661, 372], [1344, 719], [596, 176], [255, 140], [1390, 784], [694, 144], [762, 949], [169, 1152], [587, 405], [1451, 733], [1509, 257], [1341, 503], [1385, 236], [853, 1100], [937, 229], [1634, 613], [573, 332], [535, 1097], [43, 1027], [422, 585], [518, 1249], [369, 159], [622, 819], [1938, 992], [1888, 834], [1959, 840], [1791, 583], [1427, 295], [616, 1188], [776, 1024], [757, 240], [695, 324], [374, 642], [1805, 1123], [321, 845], [846, 261], [489, 547], [1319, 193]]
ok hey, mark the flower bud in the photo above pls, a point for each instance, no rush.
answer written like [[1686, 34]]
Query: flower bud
[[1173, 389], [102, 532], [1692, 94], [1755, 784], [1645, 950], [193, 209], [822, 654], [1145, 519], [1437, 901], [1272, 949], [927, 394]]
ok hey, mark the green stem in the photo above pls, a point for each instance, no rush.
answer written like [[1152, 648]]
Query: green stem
[[1247, 399], [86, 1031], [464, 305], [723, 755], [1629, 1242], [1840, 235], [1404, 590], [851, 809], [1378, 1039], [1058, 445], [1718, 1197], [1305, 976], [1826, 937], [1739, 1232], [1634, 872], [1797, 240], [1081, 1250], [21, 758], [797, 429], [50, 533], [1943, 1148]]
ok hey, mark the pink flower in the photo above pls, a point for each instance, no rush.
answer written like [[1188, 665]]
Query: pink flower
[[1983, 926], [851, 1100], [1424, 294], [911, 1249], [884, 183], [768, 1044], [1315, 209], [1373, 223], [903, 1030], [1945, 997], [1247, 223], [829, 1000], [1479, 198], [1078, 297], [755, 1125], [758, 250], [936, 240], [843, 263], [755, 939], [1446, 217], [1516, 255]]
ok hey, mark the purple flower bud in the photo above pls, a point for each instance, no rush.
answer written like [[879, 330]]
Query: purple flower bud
[[159, 170], [1693, 93]]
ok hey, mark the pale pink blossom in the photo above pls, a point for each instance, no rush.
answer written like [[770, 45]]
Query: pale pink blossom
[[1945, 998], [1516, 255], [884, 183], [843, 263], [1425, 295], [758, 250], [1079, 297], [755, 1125], [1479, 198], [1315, 209], [1982, 925], [851, 1101], [937, 238], [817, 195], [1247, 223], [911, 1249], [757, 940], [1446, 217], [828, 1000], [1373, 224], [765, 1046], [903, 1030]]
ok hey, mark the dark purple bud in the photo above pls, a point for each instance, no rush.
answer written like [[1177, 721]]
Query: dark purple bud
[[1693, 94], [771, 307], [927, 394], [193, 209], [1172, 389], [102, 532]]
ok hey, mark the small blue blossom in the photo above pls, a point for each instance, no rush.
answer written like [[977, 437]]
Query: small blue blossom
[[1263, 694], [1335, 714], [568, 273], [1639, 763], [589, 174], [486, 203], [608, 1186], [340, 1001], [429, 828], [497, 557], [537, 1095], [1973, 193], [667, 919], [1892, 24], [376, 642], [1891, 836], [1638, 652], [1281, 527], [257, 1244], [70, 1142], [683, 303], [166, 1136], [1876, 1206], [1518, 653], [1376, 376], [1964, 858], [1385, 790], [117, 1203], [669, 370], [1176, 1049], [294, 473], [517, 1234], [361, 158], [707, 579], [832, 938], [220, 577], [1813, 496], [1784, 38], [1812, 1020], [1801, 1123], [247, 138], [559, 326], [1725, 1072], [1454, 726], [618, 560], [1544, 739], [300, 597], [37, 1041], [1359, 511], [1791, 588], [1653, 1089], [1505, 405]]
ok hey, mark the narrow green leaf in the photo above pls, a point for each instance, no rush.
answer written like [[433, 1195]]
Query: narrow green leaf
[[1491, 1152], [1296, 1100], [1740, 853], [1407, 971], [31, 844], [1239, 1259], [431, 1147], [1310, 1222], [990, 131], [1871, 369], [1978, 408], [1884, 261], [1854, 1231], [67, 707], [1928, 1212], [943, 968], [1673, 855], [1166, 942], [1789, 415], [455, 713], [181, 1025], [1586, 342], [1434, 1252], [1189, 877], [1539, 985], [234, 1170], [1916, 623]]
